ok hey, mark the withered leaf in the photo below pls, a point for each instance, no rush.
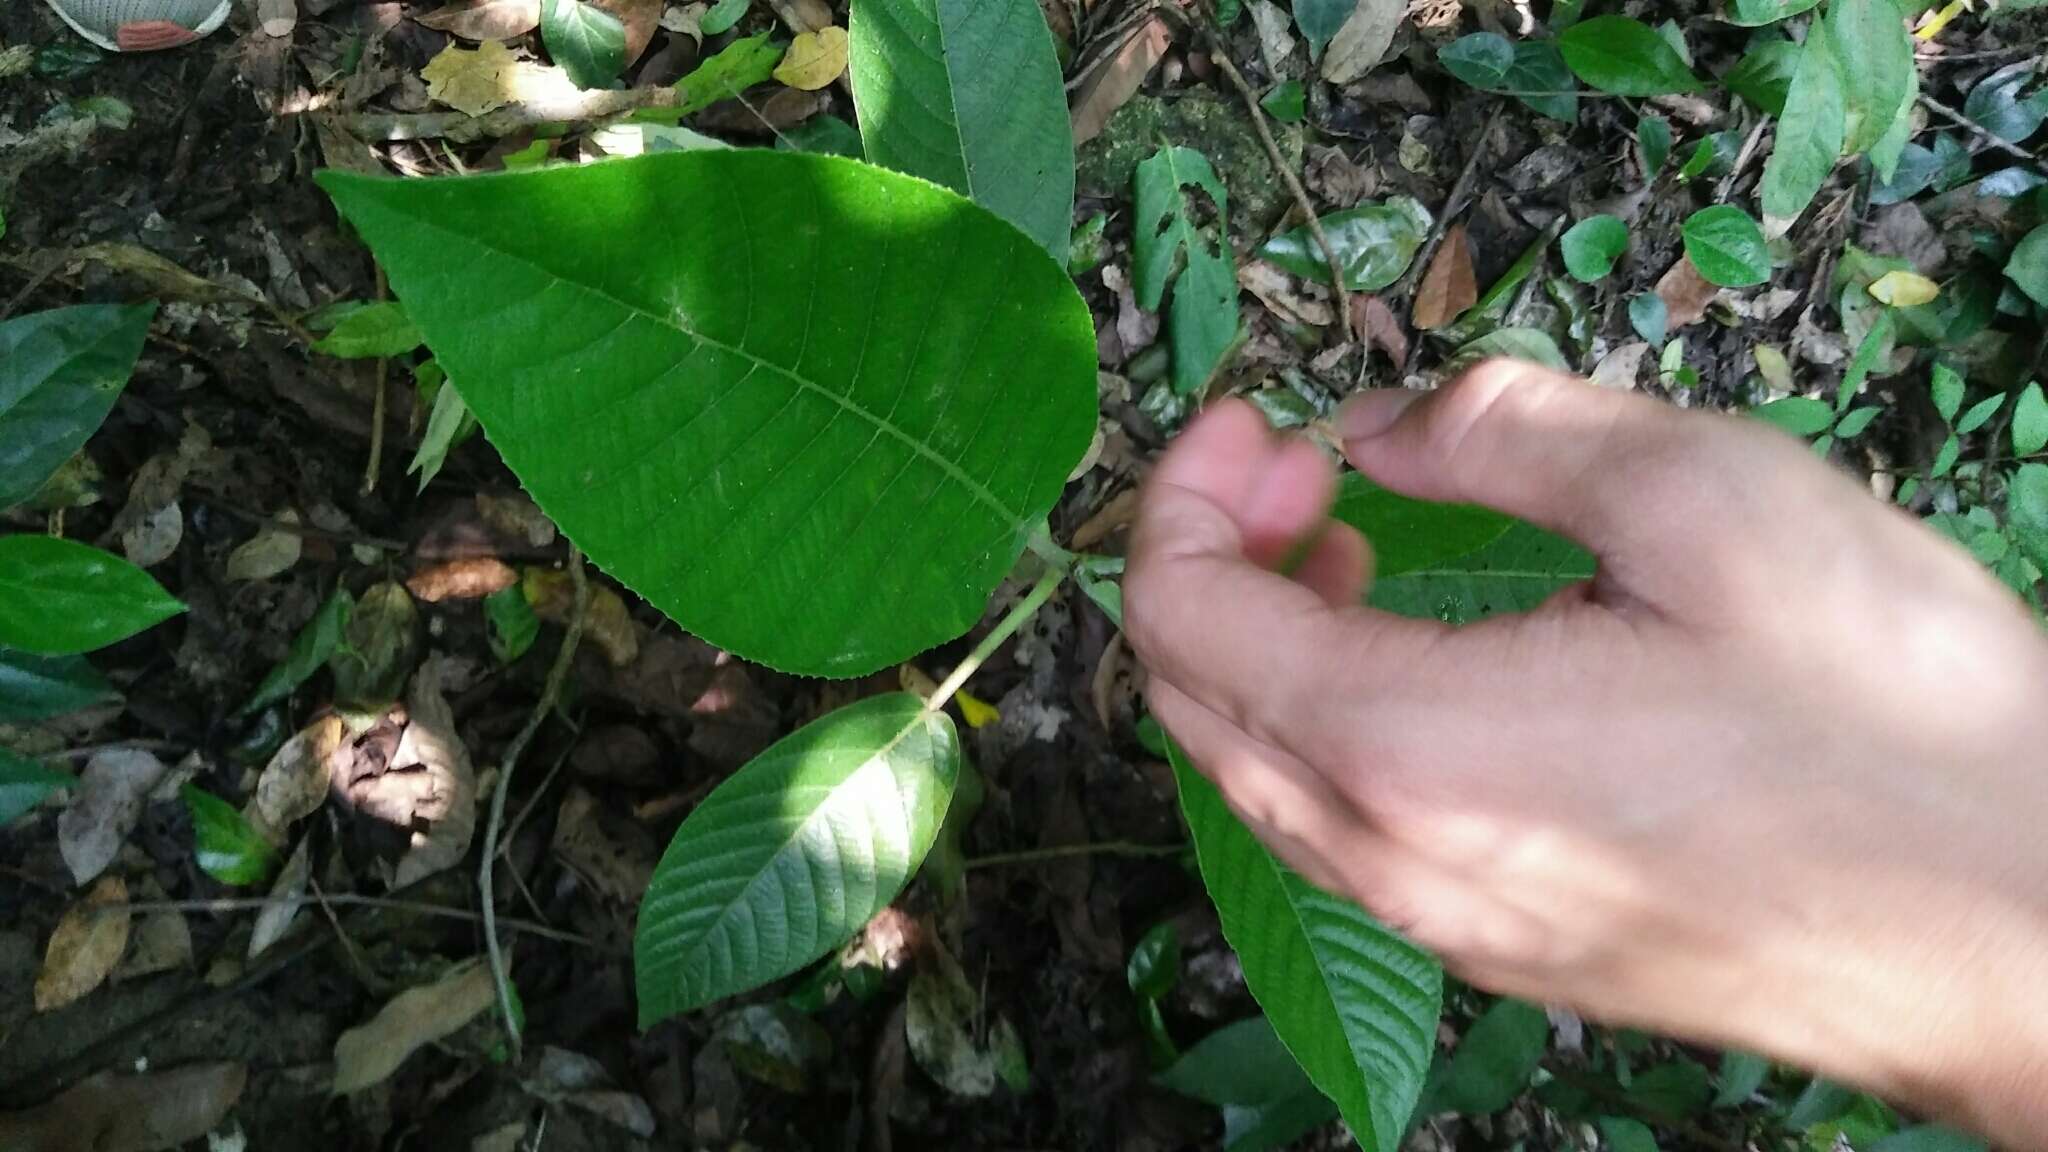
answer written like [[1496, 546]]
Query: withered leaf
[[104, 809], [294, 784], [1686, 294], [441, 784], [85, 947], [1110, 83], [606, 623], [485, 19], [1449, 287], [276, 919], [152, 1112], [369, 1053]]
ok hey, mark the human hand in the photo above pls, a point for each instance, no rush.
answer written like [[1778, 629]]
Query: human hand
[[1776, 778]]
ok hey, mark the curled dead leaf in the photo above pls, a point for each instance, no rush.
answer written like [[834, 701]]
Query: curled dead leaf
[[1370, 315], [485, 19], [462, 580], [1449, 287], [606, 622], [516, 518], [1686, 294], [160, 941], [105, 806], [151, 1112], [295, 782], [434, 772], [276, 918], [368, 1054], [613, 854], [86, 945]]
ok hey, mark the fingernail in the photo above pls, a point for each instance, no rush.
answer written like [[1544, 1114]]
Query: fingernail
[[1364, 415]]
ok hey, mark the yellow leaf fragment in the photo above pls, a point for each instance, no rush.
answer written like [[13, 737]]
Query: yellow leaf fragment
[[814, 60], [85, 947], [977, 712], [1902, 289], [1773, 367], [471, 81], [1939, 21]]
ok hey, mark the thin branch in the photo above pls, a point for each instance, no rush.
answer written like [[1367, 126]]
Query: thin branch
[[1068, 851], [345, 900], [376, 461], [1004, 629], [550, 694], [1991, 139], [1742, 158]]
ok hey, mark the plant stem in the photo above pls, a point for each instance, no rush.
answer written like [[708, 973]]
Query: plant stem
[[550, 693], [1067, 851], [376, 461], [344, 900], [1005, 628], [1991, 139]]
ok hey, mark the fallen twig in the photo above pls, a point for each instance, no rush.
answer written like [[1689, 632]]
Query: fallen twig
[[1068, 851], [1990, 138], [376, 461]]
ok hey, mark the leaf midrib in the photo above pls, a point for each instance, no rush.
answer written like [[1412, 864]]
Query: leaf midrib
[[917, 447], [1329, 994]]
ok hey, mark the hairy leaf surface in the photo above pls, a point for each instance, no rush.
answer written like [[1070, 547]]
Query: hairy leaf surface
[[967, 93], [809, 408], [790, 855]]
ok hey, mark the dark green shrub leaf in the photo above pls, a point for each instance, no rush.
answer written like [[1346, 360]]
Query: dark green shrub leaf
[[967, 94], [1532, 69], [1727, 247], [36, 687], [59, 374], [1375, 243], [24, 783], [1870, 43], [783, 361], [225, 845], [1286, 102], [59, 597], [1319, 21], [1624, 1135], [1494, 1059], [2029, 430], [1799, 415], [1670, 1093], [1809, 135], [1155, 962], [1653, 141], [1916, 169], [1756, 13], [1591, 247], [1481, 59], [369, 332], [1202, 324], [792, 854], [1979, 413], [1928, 1138], [1649, 316], [1515, 573], [2028, 265], [1411, 534], [310, 651], [1626, 57], [1354, 1003], [1853, 424], [513, 626], [1740, 1075], [1243, 1069], [2001, 105], [587, 41], [1764, 75]]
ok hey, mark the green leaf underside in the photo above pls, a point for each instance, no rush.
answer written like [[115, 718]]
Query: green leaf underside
[[1809, 135], [809, 408], [59, 374], [1354, 1003], [59, 597], [38, 687], [793, 853], [1625, 57], [967, 93]]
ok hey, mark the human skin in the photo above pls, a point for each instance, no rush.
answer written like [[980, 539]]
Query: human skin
[[1775, 779]]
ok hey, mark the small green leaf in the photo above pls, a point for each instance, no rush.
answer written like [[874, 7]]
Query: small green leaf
[[1740, 1075], [2030, 421], [1756, 13], [1670, 1093], [1625, 57], [1286, 101], [1997, 105], [1946, 387], [722, 16], [1591, 247], [1622, 1134], [1375, 243], [1809, 135], [1653, 142], [2026, 510], [513, 626], [791, 855], [737, 67], [226, 846], [24, 783], [36, 687], [1319, 21], [1980, 412], [1267, 1100], [1202, 325], [1408, 534], [1764, 75], [1852, 425], [1494, 1059], [1945, 458], [587, 41], [1648, 315], [59, 597], [1727, 247], [311, 649], [370, 332], [1821, 1101], [59, 374], [1532, 69], [449, 423], [1799, 415], [1870, 42], [1874, 349], [1089, 249], [1697, 164], [2028, 265], [1155, 962], [1481, 59]]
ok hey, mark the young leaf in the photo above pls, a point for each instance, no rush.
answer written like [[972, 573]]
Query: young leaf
[[2028, 265], [754, 385], [1799, 415], [1375, 243], [1946, 388], [1354, 1003], [38, 687], [2029, 425], [1980, 412], [1494, 1059], [967, 94], [1202, 325], [24, 783], [1591, 247], [1243, 1069], [1764, 75], [1870, 43], [587, 41], [1727, 247], [310, 651], [370, 332], [226, 846], [792, 854], [1409, 534], [59, 374], [1626, 57], [1809, 134], [1649, 316], [59, 597]]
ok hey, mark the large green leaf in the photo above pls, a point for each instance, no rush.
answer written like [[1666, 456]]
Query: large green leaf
[[967, 93], [1202, 323], [1353, 1002], [794, 852], [809, 408], [59, 373], [1809, 134], [38, 687], [1870, 42], [59, 597], [1626, 57]]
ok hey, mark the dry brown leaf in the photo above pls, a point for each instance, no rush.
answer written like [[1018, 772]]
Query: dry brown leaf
[[1362, 40], [1277, 290], [471, 82], [111, 791], [277, 18], [85, 947], [641, 18], [276, 918], [1276, 33], [151, 539], [152, 1112], [442, 785], [368, 1054], [1618, 368], [803, 15], [1686, 294], [268, 553], [1449, 287], [295, 782], [462, 580], [1113, 80], [1117, 512], [516, 518], [615, 855], [485, 19], [1370, 315], [160, 941], [606, 622]]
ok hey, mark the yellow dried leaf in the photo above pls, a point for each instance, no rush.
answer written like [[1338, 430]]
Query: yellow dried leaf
[[1902, 289], [606, 622], [814, 59], [85, 947], [977, 712], [470, 81]]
